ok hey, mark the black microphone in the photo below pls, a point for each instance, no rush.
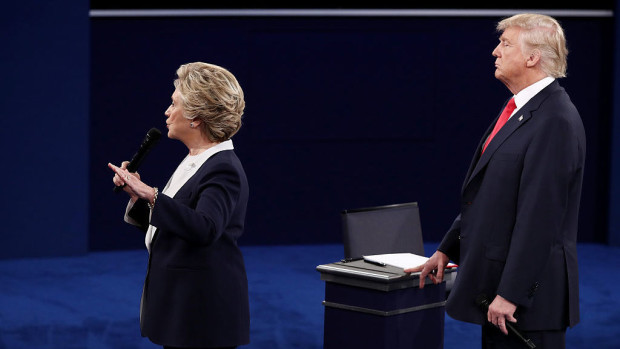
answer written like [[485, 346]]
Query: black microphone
[[483, 302], [149, 141]]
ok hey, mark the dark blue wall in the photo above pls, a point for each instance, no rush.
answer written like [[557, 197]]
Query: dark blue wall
[[44, 134], [341, 113]]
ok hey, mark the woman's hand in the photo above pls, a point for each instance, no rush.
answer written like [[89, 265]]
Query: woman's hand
[[131, 183]]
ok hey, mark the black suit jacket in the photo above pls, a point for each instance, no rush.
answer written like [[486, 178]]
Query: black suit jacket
[[196, 290], [516, 234]]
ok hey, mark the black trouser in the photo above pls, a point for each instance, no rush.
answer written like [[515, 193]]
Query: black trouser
[[493, 338]]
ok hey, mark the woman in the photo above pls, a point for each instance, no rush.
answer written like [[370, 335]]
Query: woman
[[195, 294]]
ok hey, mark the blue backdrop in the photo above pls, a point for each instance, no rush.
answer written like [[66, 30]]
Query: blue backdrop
[[342, 112], [45, 128]]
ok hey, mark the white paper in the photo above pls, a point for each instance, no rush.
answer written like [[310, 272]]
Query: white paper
[[401, 260]]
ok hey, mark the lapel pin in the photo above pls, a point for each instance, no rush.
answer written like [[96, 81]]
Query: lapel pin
[[520, 117]]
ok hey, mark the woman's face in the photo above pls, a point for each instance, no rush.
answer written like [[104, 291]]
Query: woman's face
[[178, 126]]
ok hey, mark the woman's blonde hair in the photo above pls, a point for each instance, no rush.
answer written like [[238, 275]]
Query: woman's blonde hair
[[212, 95]]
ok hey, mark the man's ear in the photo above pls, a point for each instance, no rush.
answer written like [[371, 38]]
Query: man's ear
[[533, 59]]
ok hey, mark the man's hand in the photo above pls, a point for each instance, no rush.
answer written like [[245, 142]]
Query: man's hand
[[500, 311], [433, 268]]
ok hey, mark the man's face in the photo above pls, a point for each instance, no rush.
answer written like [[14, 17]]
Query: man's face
[[510, 63]]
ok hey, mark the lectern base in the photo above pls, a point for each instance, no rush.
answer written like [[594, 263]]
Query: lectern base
[[380, 309]]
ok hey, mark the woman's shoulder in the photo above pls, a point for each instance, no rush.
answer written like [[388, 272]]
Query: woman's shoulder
[[225, 160]]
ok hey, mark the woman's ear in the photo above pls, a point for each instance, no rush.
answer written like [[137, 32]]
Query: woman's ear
[[195, 123]]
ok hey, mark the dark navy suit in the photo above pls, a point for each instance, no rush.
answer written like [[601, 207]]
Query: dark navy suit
[[196, 290], [516, 233]]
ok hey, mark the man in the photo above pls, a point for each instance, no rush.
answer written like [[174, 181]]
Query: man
[[515, 237]]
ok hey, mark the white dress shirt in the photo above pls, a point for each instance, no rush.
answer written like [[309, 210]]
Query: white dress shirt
[[527, 93]]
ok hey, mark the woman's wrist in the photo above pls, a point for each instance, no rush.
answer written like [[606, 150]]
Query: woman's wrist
[[151, 202]]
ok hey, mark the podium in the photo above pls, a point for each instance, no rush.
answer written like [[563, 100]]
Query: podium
[[380, 307]]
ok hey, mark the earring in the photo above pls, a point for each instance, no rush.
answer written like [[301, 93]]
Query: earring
[[191, 125]]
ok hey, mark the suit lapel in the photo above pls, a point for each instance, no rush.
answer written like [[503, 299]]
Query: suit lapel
[[187, 186], [519, 119], [475, 159], [516, 121]]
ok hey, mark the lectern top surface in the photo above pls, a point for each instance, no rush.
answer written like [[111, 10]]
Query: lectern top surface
[[361, 273]]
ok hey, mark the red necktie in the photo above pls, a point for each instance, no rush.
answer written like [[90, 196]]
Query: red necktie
[[510, 107]]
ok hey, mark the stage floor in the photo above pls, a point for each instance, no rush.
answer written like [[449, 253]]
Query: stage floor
[[92, 301]]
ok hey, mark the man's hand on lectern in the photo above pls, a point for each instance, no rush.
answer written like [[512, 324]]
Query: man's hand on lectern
[[433, 268]]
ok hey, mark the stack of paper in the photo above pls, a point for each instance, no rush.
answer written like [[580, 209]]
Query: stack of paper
[[401, 260]]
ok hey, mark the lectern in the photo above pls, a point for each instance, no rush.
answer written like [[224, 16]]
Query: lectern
[[380, 307]]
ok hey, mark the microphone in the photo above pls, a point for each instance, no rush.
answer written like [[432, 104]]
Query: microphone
[[483, 302], [149, 141]]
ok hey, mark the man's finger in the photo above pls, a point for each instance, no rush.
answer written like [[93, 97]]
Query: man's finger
[[502, 327], [414, 269], [439, 273]]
